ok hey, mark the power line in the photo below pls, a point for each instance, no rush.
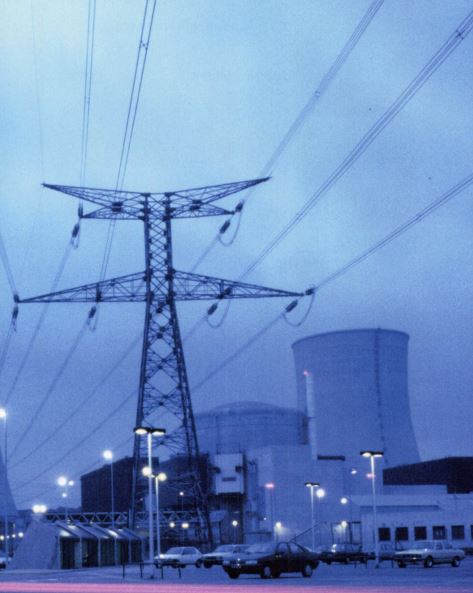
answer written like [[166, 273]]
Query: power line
[[397, 232], [143, 46], [7, 267], [51, 387], [401, 229], [42, 316], [409, 92], [296, 125], [80, 472], [96, 428], [89, 60], [146, 28], [53, 431]]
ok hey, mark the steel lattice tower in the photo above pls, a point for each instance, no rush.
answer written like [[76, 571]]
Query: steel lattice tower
[[163, 385]]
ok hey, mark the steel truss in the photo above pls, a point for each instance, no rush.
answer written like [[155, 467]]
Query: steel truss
[[163, 385]]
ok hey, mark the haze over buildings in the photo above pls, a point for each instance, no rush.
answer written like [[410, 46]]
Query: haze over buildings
[[224, 82]]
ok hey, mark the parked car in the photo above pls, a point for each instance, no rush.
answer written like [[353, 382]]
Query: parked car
[[271, 559], [179, 557], [223, 553], [344, 553], [386, 551], [4, 561], [429, 553]]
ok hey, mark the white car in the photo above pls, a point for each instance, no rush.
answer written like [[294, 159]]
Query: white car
[[222, 553], [179, 557], [429, 553]]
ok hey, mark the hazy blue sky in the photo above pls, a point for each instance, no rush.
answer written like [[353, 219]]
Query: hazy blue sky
[[224, 80]]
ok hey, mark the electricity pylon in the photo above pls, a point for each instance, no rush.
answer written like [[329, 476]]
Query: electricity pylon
[[163, 382]]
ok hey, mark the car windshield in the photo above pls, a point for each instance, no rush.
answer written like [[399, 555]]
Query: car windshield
[[260, 549], [175, 551], [423, 545], [224, 549]]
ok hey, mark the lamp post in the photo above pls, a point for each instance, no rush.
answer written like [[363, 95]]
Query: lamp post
[[312, 486], [320, 493], [108, 456], [161, 477], [3, 416], [65, 483], [372, 456], [149, 431], [270, 488]]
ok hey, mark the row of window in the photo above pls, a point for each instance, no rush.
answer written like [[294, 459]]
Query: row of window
[[401, 534]]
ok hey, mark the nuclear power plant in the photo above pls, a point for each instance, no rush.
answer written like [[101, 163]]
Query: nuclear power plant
[[351, 394]]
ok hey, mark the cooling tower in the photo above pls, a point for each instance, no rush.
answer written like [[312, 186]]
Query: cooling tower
[[353, 387]]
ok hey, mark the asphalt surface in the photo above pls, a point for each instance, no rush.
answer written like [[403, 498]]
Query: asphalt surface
[[326, 579]]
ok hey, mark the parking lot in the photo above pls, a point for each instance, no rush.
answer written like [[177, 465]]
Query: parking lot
[[326, 579]]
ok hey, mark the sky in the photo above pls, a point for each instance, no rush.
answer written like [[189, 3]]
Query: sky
[[223, 83]]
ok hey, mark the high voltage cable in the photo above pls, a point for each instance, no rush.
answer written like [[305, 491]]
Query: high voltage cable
[[143, 46], [146, 28], [51, 387], [295, 126], [53, 431], [443, 199], [398, 231], [237, 352], [7, 267], [89, 60], [39, 323], [77, 445], [80, 472], [409, 92]]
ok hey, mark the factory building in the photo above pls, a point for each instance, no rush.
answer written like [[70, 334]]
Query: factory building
[[352, 394]]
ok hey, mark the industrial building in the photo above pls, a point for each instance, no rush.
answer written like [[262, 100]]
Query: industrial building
[[352, 394]]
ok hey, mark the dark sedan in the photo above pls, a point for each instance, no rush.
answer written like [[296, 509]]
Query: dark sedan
[[272, 559]]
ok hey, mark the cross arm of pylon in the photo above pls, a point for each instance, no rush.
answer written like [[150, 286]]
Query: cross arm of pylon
[[124, 289], [185, 285], [196, 287], [133, 205]]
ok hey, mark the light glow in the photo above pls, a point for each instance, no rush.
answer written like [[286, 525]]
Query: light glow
[[108, 455]]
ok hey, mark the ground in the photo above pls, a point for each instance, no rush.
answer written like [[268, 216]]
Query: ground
[[326, 579]]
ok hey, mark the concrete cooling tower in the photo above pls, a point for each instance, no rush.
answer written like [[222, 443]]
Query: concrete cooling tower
[[353, 387]]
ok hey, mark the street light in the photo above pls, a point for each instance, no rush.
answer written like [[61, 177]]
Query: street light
[[65, 483], [108, 456], [39, 509], [161, 477], [312, 486], [150, 431], [3, 416], [270, 488], [372, 456]]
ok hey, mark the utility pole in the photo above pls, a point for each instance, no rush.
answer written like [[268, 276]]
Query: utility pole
[[163, 384]]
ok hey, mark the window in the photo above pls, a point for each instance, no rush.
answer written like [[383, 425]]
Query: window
[[420, 533], [295, 549], [402, 534], [439, 532], [458, 532], [282, 549], [384, 534]]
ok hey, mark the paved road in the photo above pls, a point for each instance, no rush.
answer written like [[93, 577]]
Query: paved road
[[326, 579]]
